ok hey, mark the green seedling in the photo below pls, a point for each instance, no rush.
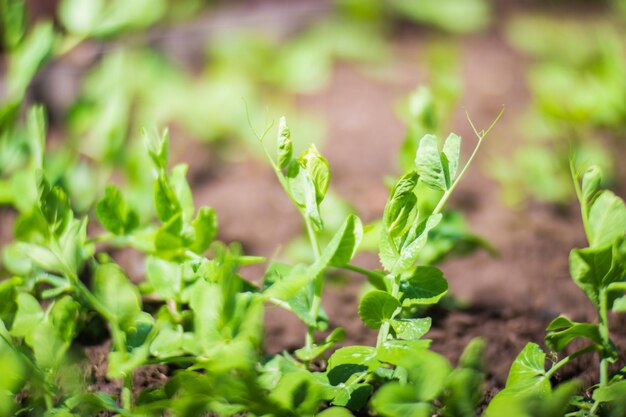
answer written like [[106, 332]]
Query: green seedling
[[600, 271]]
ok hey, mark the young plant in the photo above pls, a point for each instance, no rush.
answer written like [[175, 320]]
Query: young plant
[[305, 179], [355, 370], [600, 271]]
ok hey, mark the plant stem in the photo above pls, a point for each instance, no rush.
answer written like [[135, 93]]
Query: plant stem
[[567, 359], [603, 327], [318, 284], [481, 137], [584, 207], [363, 271], [127, 392], [312, 237], [383, 333]]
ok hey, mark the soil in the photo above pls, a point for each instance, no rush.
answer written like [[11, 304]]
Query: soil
[[510, 297]]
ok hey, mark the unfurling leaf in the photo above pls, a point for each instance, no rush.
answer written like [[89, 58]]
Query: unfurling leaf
[[607, 219], [344, 244], [451, 154], [285, 146], [318, 170], [114, 214], [165, 198], [428, 163], [562, 331], [158, 147], [591, 182], [205, 227], [399, 211]]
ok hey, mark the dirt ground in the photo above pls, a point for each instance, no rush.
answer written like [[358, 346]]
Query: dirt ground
[[511, 297]]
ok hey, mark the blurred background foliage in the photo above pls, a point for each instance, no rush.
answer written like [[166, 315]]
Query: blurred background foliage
[[105, 69]]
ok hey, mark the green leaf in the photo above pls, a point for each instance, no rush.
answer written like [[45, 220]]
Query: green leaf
[[591, 182], [122, 364], [164, 277], [527, 373], [562, 331], [425, 285], [529, 404], [411, 329], [286, 286], [64, 315], [344, 243], [48, 348], [308, 354], [158, 147], [619, 305], [395, 400], [595, 268], [205, 227], [55, 207], [607, 219], [613, 394], [120, 297], [397, 352], [114, 214], [15, 261], [428, 372], [428, 163], [463, 393], [335, 412], [80, 17], [165, 199], [169, 342], [37, 135], [8, 300], [178, 180], [29, 314], [207, 316], [350, 360], [302, 190], [353, 396], [285, 146], [473, 356], [13, 22], [297, 392], [27, 58], [422, 108], [527, 387], [170, 236], [410, 252], [451, 154], [318, 170], [377, 307], [41, 257], [32, 227], [399, 209]]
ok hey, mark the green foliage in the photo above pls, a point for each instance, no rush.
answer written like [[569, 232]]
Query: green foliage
[[194, 313], [599, 271], [577, 99], [377, 307]]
